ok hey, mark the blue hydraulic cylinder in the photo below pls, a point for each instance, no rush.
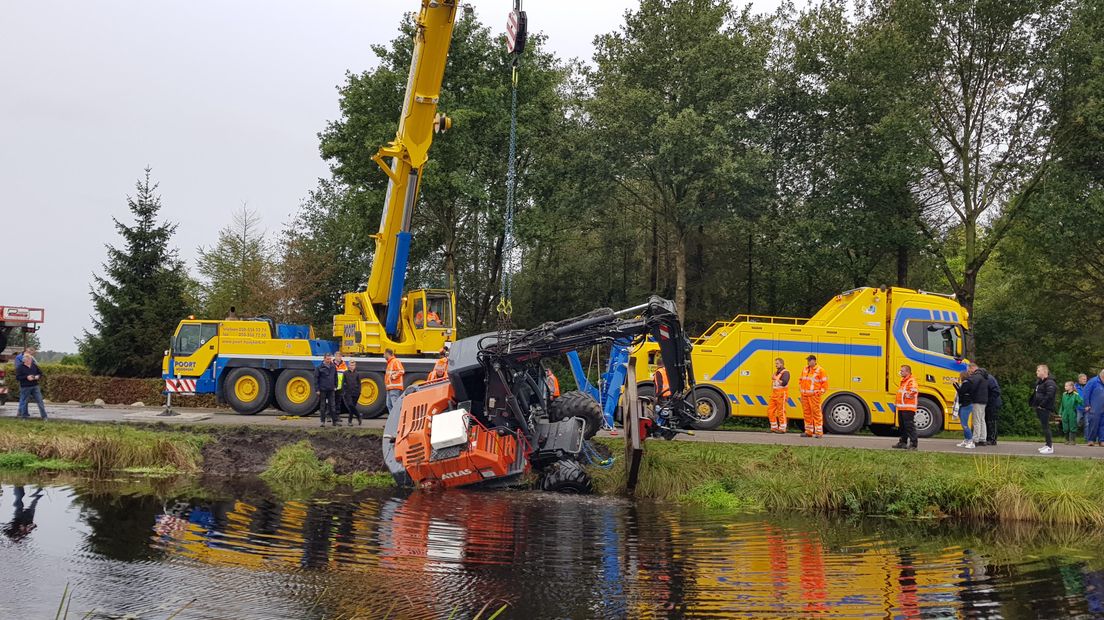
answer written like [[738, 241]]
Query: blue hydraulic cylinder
[[398, 283], [612, 384]]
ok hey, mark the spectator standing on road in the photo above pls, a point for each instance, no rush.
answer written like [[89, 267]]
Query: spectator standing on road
[[780, 393], [964, 408], [351, 393], [978, 380], [992, 411], [325, 378], [1071, 402], [1094, 408], [907, 398], [1042, 401], [393, 379], [29, 376], [1082, 379]]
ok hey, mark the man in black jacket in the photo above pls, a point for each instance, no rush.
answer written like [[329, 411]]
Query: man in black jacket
[[978, 383], [1042, 401], [325, 380], [351, 393], [29, 376], [992, 411]]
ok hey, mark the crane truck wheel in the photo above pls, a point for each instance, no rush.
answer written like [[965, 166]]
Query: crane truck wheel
[[248, 390], [710, 409], [844, 414], [929, 417], [565, 476], [576, 404], [295, 392], [373, 400]]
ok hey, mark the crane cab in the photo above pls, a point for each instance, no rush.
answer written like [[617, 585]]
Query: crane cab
[[431, 317]]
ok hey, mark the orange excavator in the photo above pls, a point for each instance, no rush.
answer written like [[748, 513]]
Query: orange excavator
[[494, 420]]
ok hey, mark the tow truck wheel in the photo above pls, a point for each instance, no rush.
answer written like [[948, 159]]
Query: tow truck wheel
[[566, 477], [844, 415], [929, 417], [372, 400], [710, 409], [295, 392], [248, 390], [576, 404]]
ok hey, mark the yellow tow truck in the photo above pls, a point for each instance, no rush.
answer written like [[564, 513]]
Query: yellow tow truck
[[861, 338]]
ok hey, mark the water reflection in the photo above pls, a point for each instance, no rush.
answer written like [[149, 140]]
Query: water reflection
[[428, 555]]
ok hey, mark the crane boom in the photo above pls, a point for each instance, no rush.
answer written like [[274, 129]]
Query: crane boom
[[384, 315], [409, 152]]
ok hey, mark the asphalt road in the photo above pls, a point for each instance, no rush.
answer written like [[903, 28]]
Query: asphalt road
[[114, 413]]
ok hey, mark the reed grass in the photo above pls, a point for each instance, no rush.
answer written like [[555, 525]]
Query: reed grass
[[102, 447], [865, 482]]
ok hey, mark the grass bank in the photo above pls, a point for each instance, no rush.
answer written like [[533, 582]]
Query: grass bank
[[100, 448], [867, 482]]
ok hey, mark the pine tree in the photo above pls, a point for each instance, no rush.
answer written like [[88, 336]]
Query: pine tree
[[140, 298], [240, 270]]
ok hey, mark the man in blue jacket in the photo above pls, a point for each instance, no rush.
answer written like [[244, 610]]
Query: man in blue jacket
[[1094, 407], [29, 376]]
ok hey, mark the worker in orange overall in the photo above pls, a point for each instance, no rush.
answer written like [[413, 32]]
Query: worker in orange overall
[[440, 367], [662, 384], [780, 393], [814, 383], [552, 382], [393, 379], [907, 398]]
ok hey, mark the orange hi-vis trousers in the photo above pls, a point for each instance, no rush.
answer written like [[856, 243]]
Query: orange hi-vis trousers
[[814, 417], [776, 411]]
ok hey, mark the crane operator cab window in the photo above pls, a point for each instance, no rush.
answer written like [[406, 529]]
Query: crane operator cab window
[[192, 336], [941, 338], [432, 311]]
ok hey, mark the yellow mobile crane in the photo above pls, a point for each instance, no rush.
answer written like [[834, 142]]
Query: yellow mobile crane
[[255, 363]]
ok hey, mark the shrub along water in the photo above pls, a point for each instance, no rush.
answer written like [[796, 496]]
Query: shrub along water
[[869, 482]]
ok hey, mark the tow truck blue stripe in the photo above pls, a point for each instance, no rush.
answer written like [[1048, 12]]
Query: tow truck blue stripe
[[762, 401], [792, 346]]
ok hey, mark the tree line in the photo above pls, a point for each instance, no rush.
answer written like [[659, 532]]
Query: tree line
[[732, 161]]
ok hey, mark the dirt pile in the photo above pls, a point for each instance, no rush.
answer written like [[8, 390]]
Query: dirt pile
[[246, 450]]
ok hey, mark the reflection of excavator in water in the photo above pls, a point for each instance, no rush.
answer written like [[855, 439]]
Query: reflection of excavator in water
[[494, 419]]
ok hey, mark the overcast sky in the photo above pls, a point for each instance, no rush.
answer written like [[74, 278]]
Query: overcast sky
[[223, 100]]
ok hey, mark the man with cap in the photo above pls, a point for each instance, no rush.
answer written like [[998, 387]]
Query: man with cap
[[813, 383]]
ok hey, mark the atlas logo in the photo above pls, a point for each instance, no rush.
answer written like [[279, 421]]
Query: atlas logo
[[456, 474]]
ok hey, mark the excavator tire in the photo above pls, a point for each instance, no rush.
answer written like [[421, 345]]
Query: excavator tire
[[576, 404], [566, 476]]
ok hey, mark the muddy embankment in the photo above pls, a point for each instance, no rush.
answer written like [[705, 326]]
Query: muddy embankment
[[246, 451]]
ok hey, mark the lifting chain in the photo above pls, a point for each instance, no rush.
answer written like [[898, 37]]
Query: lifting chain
[[505, 293]]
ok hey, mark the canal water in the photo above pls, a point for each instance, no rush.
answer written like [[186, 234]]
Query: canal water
[[132, 553]]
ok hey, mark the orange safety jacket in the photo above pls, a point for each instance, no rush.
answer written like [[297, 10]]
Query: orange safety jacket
[[780, 381], [813, 380], [553, 383], [394, 375], [662, 385], [440, 370], [908, 394], [342, 368]]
